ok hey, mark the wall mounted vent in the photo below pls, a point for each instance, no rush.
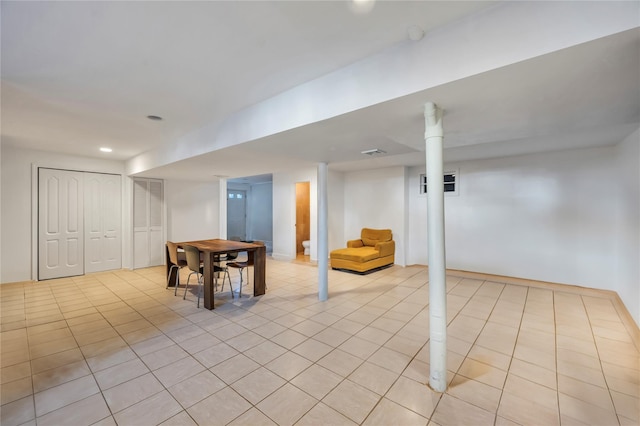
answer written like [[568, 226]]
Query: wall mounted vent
[[374, 151]]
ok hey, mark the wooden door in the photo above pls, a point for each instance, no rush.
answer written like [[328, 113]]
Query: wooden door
[[303, 215]]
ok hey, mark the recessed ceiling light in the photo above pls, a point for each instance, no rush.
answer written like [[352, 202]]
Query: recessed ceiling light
[[105, 149], [415, 33], [154, 117], [362, 6]]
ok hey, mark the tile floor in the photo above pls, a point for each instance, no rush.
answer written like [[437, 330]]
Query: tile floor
[[119, 348]]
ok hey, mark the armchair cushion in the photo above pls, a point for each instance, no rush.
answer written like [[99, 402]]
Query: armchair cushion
[[370, 237], [361, 254], [387, 248], [354, 243]]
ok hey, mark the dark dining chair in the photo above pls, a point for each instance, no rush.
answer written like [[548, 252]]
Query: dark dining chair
[[241, 266], [176, 263], [197, 267], [222, 262]]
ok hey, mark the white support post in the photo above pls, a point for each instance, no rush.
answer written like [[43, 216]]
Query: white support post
[[222, 214], [437, 267], [323, 234]]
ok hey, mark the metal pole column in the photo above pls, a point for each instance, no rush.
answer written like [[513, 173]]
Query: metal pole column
[[323, 234], [435, 228], [222, 214]]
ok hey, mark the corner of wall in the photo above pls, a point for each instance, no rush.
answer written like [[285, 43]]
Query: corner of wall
[[628, 224]]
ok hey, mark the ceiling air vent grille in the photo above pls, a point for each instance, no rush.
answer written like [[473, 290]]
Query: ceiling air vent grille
[[374, 151]]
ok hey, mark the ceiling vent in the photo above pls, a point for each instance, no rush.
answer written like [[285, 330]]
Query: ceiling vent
[[374, 151]]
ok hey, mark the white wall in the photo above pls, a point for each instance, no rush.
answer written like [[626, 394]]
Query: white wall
[[17, 206], [627, 180], [1, 211], [192, 210], [336, 210], [376, 199], [549, 217]]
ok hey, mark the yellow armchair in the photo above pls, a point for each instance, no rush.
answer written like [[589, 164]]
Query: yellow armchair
[[374, 250]]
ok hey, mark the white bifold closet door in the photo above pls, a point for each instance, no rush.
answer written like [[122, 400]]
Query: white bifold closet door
[[102, 222], [79, 223], [148, 229]]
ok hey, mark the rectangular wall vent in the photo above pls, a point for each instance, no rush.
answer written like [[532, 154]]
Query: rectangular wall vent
[[450, 182]]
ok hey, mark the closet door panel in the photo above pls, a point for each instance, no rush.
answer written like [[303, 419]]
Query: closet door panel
[[103, 239], [60, 223], [148, 229], [156, 243]]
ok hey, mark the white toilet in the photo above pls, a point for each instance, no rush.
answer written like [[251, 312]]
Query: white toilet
[[307, 250]]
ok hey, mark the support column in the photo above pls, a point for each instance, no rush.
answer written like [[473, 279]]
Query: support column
[[323, 234], [222, 214], [435, 228]]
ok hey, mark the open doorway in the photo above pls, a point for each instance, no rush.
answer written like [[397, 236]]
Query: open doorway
[[303, 222], [250, 209], [236, 214]]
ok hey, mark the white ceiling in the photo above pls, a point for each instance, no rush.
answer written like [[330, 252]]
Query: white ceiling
[[80, 75]]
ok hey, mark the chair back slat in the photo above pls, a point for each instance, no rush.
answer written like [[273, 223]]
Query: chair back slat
[[173, 252], [193, 258], [232, 256]]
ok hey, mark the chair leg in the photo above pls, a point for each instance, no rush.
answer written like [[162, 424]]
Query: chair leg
[[240, 292], [177, 276], [231, 284], [226, 271], [184, 296], [216, 277], [175, 290], [240, 289], [200, 288]]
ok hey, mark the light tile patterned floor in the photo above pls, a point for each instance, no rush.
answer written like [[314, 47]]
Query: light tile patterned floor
[[119, 348]]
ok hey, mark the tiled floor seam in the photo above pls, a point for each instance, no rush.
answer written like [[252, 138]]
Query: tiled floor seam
[[441, 394], [486, 321], [613, 404]]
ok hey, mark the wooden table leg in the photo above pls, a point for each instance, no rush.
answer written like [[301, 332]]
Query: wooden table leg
[[208, 280], [259, 270]]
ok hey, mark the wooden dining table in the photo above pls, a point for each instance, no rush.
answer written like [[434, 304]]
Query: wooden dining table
[[211, 250]]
